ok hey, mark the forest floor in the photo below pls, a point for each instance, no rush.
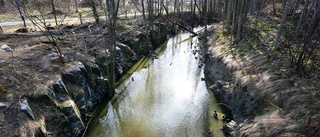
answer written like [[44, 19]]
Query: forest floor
[[290, 98], [33, 64]]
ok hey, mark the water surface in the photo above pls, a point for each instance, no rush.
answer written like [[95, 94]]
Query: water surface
[[165, 99]]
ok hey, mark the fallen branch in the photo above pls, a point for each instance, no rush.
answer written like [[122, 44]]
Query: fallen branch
[[177, 23], [200, 10]]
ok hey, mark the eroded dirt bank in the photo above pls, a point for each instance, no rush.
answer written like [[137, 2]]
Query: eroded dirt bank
[[42, 97], [264, 98]]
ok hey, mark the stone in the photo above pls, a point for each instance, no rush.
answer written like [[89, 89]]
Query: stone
[[230, 126], [59, 87], [25, 46], [3, 106], [76, 76], [6, 48], [22, 30], [126, 50], [25, 108]]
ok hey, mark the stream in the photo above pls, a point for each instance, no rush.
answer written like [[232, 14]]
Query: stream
[[163, 97]]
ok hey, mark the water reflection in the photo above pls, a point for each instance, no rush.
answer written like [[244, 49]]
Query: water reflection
[[165, 99]]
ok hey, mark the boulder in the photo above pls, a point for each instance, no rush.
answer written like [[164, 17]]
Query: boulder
[[59, 87], [6, 48], [128, 52], [25, 108], [22, 30]]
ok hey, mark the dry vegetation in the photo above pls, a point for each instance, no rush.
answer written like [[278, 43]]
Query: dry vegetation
[[34, 67], [290, 98]]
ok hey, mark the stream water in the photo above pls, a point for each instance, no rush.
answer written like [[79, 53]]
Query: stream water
[[165, 97]]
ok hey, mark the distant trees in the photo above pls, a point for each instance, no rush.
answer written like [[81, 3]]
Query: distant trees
[[305, 44], [283, 20], [1, 3], [298, 28], [54, 12], [93, 5], [112, 9], [297, 20]]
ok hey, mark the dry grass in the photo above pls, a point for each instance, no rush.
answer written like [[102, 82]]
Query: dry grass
[[32, 70], [271, 81]]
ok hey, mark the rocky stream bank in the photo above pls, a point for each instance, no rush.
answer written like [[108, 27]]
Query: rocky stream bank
[[62, 99]]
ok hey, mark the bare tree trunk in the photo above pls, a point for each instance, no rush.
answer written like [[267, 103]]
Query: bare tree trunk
[[283, 4], [101, 5], [229, 12], [242, 8], [191, 7], [94, 11], [21, 15], [302, 17], [283, 20], [1, 3], [76, 5], [54, 12], [235, 4], [254, 7], [308, 38], [310, 8], [143, 11], [205, 12], [181, 6], [112, 13], [234, 18], [194, 12], [274, 8], [174, 6]]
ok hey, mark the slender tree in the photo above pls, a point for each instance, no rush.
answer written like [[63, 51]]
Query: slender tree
[[205, 12], [240, 21], [143, 10], [308, 46], [1, 3], [194, 12], [274, 8], [112, 7], [229, 13], [93, 6], [21, 14], [302, 16], [54, 12], [283, 20], [76, 5]]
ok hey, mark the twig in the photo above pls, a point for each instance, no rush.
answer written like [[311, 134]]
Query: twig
[[86, 128], [175, 22]]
